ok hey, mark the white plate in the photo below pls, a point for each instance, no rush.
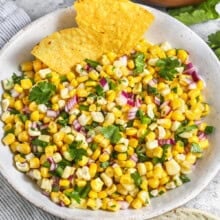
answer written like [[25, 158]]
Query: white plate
[[164, 28]]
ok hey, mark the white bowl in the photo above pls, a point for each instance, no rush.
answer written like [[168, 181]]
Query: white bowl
[[163, 29]]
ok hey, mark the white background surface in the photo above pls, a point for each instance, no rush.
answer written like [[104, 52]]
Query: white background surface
[[209, 198]]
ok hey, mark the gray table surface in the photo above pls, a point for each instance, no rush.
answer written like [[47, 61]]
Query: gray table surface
[[209, 198]]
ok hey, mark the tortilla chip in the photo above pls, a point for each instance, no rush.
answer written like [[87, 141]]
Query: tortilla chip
[[104, 26], [121, 22], [62, 50]]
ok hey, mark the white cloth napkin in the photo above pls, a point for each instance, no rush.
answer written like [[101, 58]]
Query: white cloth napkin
[[12, 19]]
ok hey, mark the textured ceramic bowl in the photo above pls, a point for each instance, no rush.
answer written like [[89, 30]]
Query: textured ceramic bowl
[[172, 3], [163, 29]]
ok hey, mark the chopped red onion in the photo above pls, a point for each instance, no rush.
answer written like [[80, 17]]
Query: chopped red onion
[[53, 165], [70, 178], [165, 111], [134, 158], [157, 100], [34, 125], [166, 141], [62, 204], [202, 135], [198, 122], [77, 125], [138, 102], [46, 193], [125, 94], [70, 103], [89, 139], [132, 113], [192, 86], [26, 110], [104, 84], [164, 104], [123, 205], [14, 93], [152, 83], [195, 76]]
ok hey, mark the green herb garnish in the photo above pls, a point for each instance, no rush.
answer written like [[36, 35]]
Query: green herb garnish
[[184, 178], [137, 178], [76, 152], [167, 68], [139, 61], [209, 129], [92, 63], [99, 90], [111, 132], [42, 92], [104, 164], [17, 79], [38, 142], [194, 14], [195, 148]]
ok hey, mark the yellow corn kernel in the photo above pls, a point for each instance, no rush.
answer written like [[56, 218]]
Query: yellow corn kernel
[[55, 197], [131, 131], [90, 83], [49, 150], [82, 93], [133, 142], [93, 75], [58, 137], [191, 158], [13, 146], [24, 148], [23, 136], [84, 161], [64, 199], [193, 139], [129, 198], [72, 118], [143, 196], [122, 156], [141, 169], [19, 158], [177, 116], [158, 172], [35, 116], [26, 83], [136, 203], [182, 55], [130, 151], [112, 189], [149, 165], [104, 157], [171, 53], [43, 159], [92, 194], [176, 103], [68, 138], [113, 206], [52, 127], [151, 136], [34, 163], [130, 164], [153, 183], [131, 64], [26, 66], [82, 79], [117, 112], [64, 183], [121, 190], [9, 139], [18, 105], [44, 172], [109, 171], [98, 138], [117, 171], [144, 185], [200, 85], [120, 148], [158, 152], [96, 154], [18, 88], [190, 115], [97, 184], [74, 83], [92, 169], [166, 123], [164, 180], [102, 194], [111, 95], [37, 65]]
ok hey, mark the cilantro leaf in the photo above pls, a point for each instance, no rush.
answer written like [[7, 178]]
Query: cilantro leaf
[[137, 178], [195, 148], [42, 92], [99, 90], [63, 118], [209, 129], [38, 142], [23, 117], [184, 178], [197, 13], [111, 132], [73, 195], [76, 152], [14, 111], [167, 68], [139, 61], [152, 90], [92, 63], [104, 164], [214, 42], [12, 130], [17, 79], [143, 118], [142, 157], [186, 129]]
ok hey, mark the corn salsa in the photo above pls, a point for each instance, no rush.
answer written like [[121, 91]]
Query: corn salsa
[[113, 132]]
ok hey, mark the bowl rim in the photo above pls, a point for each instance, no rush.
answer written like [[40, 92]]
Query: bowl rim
[[63, 215]]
